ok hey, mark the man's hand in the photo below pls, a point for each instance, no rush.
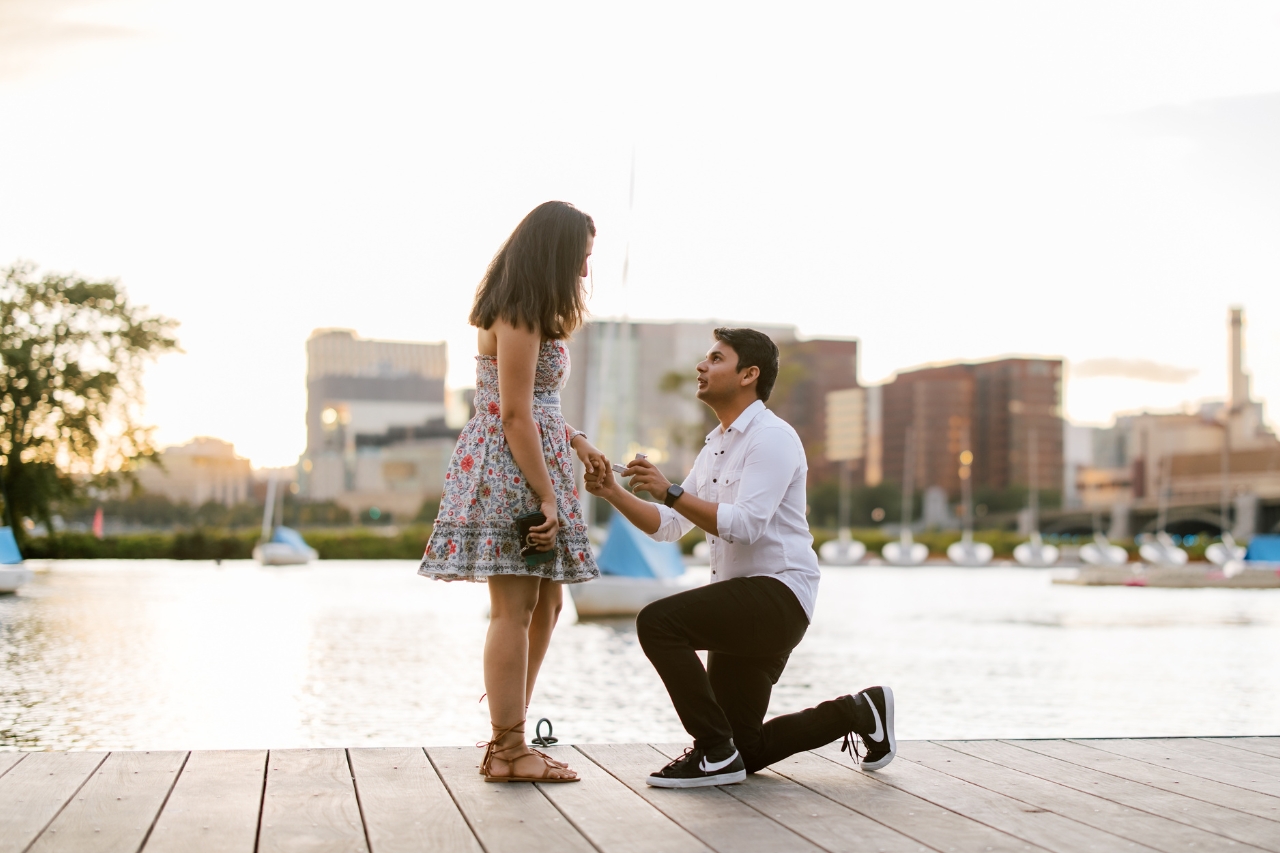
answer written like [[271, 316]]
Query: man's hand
[[647, 478]]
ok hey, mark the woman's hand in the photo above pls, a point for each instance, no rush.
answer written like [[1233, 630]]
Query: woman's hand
[[592, 459], [544, 535], [601, 481]]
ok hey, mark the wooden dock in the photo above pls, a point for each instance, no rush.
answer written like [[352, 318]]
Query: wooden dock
[[1171, 795]]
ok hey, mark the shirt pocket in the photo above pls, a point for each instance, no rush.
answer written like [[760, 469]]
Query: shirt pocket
[[728, 487]]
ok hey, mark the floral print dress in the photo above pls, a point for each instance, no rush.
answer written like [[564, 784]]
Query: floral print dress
[[484, 489]]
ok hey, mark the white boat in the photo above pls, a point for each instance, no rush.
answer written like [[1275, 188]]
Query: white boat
[[1162, 552], [842, 551], [286, 548], [1226, 551], [634, 571], [12, 573], [905, 552], [611, 595], [1036, 554], [968, 553], [1100, 552], [280, 545]]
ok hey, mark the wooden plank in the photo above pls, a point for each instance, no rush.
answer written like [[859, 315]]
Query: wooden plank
[[214, 805], [1037, 826], [9, 759], [612, 817], [35, 790], [1269, 746], [405, 805], [827, 824], [1218, 771], [710, 814], [907, 814], [310, 804], [512, 816], [989, 763], [1226, 822], [116, 808], [1164, 778]]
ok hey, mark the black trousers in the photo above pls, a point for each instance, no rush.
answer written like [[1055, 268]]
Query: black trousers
[[748, 627]]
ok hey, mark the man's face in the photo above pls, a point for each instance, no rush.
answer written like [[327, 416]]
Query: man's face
[[718, 377]]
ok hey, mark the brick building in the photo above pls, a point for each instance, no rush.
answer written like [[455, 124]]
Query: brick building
[[993, 406]]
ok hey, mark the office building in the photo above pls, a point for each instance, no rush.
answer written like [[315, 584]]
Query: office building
[[201, 471], [376, 431], [996, 409]]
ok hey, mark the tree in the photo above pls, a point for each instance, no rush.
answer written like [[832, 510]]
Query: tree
[[73, 352]]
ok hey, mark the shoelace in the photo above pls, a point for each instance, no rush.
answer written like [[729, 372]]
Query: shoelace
[[673, 762], [851, 744]]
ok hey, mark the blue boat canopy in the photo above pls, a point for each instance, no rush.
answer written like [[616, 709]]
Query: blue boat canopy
[[629, 553], [9, 553], [289, 536], [1264, 549]]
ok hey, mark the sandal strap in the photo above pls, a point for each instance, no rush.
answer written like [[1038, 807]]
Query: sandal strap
[[491, 748]]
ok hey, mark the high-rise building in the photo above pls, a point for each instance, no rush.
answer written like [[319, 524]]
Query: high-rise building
[[995, 409], [376, 432], [810, 370]]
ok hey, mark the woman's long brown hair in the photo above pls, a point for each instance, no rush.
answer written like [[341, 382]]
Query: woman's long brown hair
[[534, 282]]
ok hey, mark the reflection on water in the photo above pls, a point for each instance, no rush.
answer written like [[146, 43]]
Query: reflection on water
[[160, 655]]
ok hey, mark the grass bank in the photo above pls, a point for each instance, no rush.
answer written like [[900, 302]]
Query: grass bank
[[340, 544]]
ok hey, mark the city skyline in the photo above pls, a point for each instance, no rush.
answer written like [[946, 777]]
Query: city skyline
[[1095, 183]]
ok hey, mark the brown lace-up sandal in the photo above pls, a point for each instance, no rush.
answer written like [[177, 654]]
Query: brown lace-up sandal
[[494, 751], [559, 765]]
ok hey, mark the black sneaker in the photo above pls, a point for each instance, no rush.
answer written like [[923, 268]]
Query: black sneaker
[[881, 744], [697, 769]]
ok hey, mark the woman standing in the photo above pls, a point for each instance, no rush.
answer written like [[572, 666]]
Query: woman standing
[[515, 457]]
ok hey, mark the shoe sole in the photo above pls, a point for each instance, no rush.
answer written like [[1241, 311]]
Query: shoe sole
[[888, 730], [701, 782]]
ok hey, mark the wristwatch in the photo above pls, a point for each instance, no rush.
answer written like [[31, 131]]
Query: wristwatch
[[673, 494]]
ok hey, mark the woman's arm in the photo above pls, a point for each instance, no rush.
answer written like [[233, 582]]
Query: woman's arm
[[517, 364]]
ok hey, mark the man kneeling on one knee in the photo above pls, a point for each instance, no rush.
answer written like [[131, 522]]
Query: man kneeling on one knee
[[747, 492]]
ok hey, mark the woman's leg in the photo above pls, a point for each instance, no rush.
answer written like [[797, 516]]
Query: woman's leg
[[512, 602], [541, 627]]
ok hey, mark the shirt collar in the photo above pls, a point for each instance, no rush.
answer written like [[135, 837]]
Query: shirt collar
[[742, 422]]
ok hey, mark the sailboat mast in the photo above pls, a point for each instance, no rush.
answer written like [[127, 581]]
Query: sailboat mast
[[268, 508]]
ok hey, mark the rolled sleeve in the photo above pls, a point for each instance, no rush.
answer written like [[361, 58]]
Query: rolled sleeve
[[726, 514], [671, 525]]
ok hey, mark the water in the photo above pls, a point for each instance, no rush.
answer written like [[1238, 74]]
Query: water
[[161, 655]]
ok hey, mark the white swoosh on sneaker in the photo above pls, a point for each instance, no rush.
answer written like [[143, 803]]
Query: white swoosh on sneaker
[[712, 766], [878, 734]]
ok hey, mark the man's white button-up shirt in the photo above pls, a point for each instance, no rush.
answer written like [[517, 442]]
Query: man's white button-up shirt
[[755, 470]]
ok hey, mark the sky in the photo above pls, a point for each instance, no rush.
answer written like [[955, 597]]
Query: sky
[[1097, 181]]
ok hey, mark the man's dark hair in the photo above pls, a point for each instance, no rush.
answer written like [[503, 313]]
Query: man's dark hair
[[754, 349]]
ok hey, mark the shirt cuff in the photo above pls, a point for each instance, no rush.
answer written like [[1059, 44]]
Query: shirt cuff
[[726, 514], [669, 529]]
